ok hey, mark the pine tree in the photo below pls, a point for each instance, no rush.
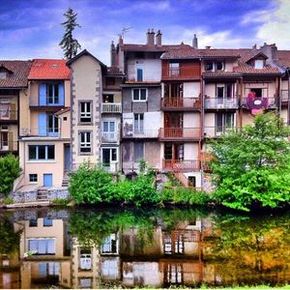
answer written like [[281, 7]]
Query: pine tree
[[69, 44]]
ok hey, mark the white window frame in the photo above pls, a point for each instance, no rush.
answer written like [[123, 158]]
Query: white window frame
[[87, 113], [110, 135], [139, 99], [259, 63], [55, 99], [85, 144], [55, 121], [139, 129], [37, 153], [111, 154]]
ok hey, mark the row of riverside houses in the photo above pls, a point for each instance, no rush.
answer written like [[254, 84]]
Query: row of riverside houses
[[156, 102]]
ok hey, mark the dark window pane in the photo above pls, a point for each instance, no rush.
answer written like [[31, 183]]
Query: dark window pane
[[136, 94], [32, 151], [41, 152], [143, 94], [138, 151], [50, 153], [114, 154], [106, 156], [56, 90], [219, 65]]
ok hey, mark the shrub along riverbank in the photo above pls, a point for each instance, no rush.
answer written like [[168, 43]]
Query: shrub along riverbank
[[92, 185]]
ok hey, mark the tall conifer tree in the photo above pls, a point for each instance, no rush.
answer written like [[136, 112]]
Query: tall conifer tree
[[70, 45]]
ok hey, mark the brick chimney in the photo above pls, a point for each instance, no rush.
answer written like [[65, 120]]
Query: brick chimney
[[113, 54], [270, 50], [150, 37], [194, 41], [158, 38], [121, 41]]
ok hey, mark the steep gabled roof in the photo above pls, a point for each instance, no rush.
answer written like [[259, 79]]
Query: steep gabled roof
[[18, 71], [49, 69], [283, 58], [85, 52]]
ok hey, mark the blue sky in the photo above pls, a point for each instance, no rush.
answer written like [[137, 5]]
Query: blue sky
[[31, 28]]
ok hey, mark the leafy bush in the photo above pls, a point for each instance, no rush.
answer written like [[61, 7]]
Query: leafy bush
[[185, 196], [9, 171], [90, 185], [252, 167]]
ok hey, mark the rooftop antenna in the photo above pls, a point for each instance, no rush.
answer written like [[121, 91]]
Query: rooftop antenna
[[124, 30]]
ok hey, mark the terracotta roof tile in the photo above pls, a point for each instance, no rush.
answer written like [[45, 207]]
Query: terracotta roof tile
[[222, 74], [284, 58], [49, 69], [17, 72], [247, 69], [148, 48]]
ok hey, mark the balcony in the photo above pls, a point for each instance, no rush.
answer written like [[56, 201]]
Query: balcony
[[259, 103], [48, 103], [7, 115], [217, 131], [284, 97], [39, 132], [179, 134], [220, 103], [8, 146], [111, 108], [180, 165], [180, 104], [145, 133], [188, 70], [110, 137]]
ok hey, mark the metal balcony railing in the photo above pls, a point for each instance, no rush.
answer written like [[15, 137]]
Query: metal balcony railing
[[175, 134], [111, 108], [221, 103], [217, 131], [142, 133]]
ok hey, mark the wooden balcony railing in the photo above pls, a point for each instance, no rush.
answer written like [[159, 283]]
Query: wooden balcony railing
[[219, 103], [181, 104], [111, 108], [144, 133], [176, 134], [181, 165]]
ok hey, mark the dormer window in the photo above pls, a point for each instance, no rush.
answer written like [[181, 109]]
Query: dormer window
[[259, 63], [209, 66], [219, 65], [214, 66], [3, 75]]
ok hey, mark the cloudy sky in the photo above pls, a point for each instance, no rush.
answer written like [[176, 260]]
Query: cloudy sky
[[31, 28]]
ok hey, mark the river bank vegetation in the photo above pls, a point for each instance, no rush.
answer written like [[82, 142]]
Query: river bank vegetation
[[250, 169]]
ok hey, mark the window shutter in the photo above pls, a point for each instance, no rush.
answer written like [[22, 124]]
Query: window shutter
[[61, 94], [42, 124], [42, 94], [13, 111]]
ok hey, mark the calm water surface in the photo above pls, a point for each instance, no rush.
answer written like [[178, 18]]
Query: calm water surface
[[104, 248]]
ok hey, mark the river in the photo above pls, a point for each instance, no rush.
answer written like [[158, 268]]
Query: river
[[112, 247]]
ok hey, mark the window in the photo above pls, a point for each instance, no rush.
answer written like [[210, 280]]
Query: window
[[3, 75], [110, 81], [192, 181], [42, 246], [208, 66], [139, 75], [259, 63], [258, 92], [108, 98], [139, 95], [109, 155], [47, 222], [85, 112], [173, 69], [138, 123], [52, 124], [109, 131], [52, 93], [5, 110], [224, 121], [33, 177], [85, 142], [41, 152], [219, 65], [33, 222], [109, 246], [49, 269], [174, 274], [138, 151]]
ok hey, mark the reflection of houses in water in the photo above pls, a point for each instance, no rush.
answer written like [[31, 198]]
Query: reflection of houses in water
[[94, 264], [9, 271], [44, 251]]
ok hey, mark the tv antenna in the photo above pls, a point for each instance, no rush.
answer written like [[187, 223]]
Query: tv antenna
[[124, 30]]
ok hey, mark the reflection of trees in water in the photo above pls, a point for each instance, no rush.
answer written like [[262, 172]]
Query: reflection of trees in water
[[9, 239], [253, 249]]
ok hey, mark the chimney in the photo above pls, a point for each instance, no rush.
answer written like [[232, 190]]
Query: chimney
[[270, 50], [194, 41], [121, 41], [254, 46], [150, 37], [158, 38], [208, 47], [113, 54]]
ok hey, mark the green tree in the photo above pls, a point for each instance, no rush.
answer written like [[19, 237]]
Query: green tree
[[251, 167], [9, 171], [69, 44]]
